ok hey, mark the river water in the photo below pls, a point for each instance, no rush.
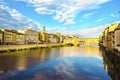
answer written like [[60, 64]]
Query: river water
[[63, 63]]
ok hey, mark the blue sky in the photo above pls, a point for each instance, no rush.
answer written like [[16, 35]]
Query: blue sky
[[75, 17]]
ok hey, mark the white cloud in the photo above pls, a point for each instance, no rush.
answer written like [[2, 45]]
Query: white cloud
[[69, 21], [113, 15], [64, 10], [11, 18], [88, 15], [99, 20]]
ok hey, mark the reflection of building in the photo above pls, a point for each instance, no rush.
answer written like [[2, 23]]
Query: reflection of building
[[110, 66], [30, 36]]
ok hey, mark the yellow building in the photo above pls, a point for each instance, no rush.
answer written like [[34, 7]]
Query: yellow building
[[89, 42], [68, 40], [1, 37], [14, 33], [42, 35], [30, 36], [117, 37], [111, 36], [105, 37], [7, 36], [71, 40], [59, 37], [53, 38], [101, 39], [19, 38], [62, 38], [10, 37], [47, 37], [43, 29]]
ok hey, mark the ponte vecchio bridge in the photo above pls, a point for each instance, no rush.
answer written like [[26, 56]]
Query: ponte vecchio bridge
[[82, 41]]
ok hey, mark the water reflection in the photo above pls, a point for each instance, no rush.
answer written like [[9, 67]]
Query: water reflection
[[112, 70], [67, 63]]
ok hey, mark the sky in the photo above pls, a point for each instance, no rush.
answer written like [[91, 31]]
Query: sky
[[82, 18]]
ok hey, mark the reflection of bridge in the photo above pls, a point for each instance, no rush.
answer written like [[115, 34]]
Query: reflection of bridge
[[82, 41]]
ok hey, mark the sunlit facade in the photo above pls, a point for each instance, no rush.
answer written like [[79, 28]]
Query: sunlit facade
[[42, 35], [117, 37], [48, 37], [19, 38], [30, 36], [1, 37], [89, 41], [71, 40], [14, 35], [110, 38], [7, 36], [101, 39], [11, 37]]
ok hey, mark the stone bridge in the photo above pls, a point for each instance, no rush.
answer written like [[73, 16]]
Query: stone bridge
[[82, 41]]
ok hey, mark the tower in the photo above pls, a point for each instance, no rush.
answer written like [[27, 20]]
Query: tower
[[43, 29]]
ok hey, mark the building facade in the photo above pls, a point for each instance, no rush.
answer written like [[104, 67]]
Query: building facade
[[117, 38], [1, 37], [53, 38], [19, 38], [7, 37], [93, 42], [14, 34], [73, 40], [111, 37], [101, 39], [30, 36], [10, 37], [42, 35]]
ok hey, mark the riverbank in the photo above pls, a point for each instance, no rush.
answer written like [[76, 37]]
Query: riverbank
[[13, 48]]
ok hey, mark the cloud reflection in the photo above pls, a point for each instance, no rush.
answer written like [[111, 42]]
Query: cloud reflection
[[67, 68]]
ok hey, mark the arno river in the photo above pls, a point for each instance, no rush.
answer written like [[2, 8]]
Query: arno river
[[63, 63]]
